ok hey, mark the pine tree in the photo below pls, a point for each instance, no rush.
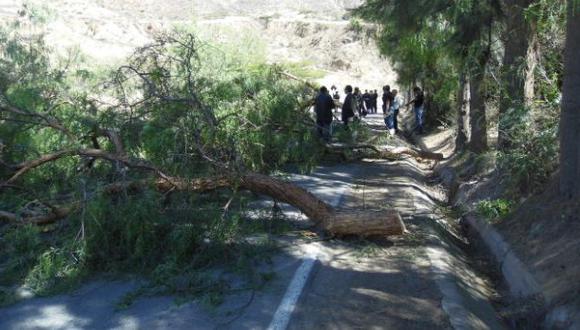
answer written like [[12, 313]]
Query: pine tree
[[570, 119]]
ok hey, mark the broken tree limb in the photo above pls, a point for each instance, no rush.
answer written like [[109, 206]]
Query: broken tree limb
[[389, 153], [335, 221], [22, 168], [304, 81], [114, 138], [56, 213]]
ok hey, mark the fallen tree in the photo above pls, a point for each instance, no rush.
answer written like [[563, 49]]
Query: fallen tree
[[158, 108], [338, 222], [387, 153]]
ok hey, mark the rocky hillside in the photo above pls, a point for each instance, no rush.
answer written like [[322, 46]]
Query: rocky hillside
[[317, 34]]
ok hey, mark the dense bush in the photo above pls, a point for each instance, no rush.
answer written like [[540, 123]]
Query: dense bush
[[494, 209], [533, 155]]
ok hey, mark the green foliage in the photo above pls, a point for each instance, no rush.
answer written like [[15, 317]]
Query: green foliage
[[189, 107], [57, 269], [355, 25], [303, 69], [533, 155], [19, 251], [495, 209], [550, 20], [431, 42]]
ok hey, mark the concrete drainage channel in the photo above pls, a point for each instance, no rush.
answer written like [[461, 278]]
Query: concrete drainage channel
[[462, 300], [519, 280]]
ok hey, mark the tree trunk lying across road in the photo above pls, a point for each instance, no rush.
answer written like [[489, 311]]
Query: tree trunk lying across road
[[338, 222], [335, 221]]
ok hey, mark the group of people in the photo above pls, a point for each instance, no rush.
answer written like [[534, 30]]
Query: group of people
[[366, 102], [357, 105]]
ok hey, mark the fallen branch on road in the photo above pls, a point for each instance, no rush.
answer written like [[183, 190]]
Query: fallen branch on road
[[337, 222], [388, 153]]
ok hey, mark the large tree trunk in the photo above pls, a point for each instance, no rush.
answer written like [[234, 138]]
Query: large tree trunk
[[570, 118], [461, 138], [519, 63], [477, 112], [335, 221]]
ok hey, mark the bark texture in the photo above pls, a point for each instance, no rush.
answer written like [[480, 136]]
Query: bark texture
[[570, 118], [335, 221], [519, 63], [461, 138], [477, 113]]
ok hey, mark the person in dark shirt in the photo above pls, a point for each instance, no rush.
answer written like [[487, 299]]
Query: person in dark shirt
[[336, 98], [367, 101], [418, 108], [323, 108], [349, 107], [387, 99], [374, 98]]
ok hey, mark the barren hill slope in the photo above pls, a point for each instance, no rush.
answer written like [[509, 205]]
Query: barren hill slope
[[312, 33]]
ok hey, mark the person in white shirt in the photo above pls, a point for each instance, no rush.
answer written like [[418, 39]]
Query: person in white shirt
[[392, 113], [395, 108]]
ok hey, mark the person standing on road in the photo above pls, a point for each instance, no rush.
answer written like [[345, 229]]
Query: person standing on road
[[393, 113], [387, 99], [360, 108], [323, 106], [349, 107], [396, 107], [336, 98], [374, 101], [418, 108], [367, 101]]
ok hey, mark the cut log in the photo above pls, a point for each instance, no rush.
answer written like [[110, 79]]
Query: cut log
[[365, 223], [336, 222], [417, 153]]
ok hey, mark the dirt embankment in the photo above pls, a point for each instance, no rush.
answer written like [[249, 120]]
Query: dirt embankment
[[539, 243]]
